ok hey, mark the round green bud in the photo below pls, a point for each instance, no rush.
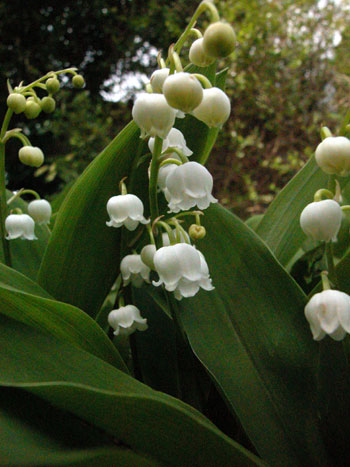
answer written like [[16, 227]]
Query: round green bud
[[32, 108], [16, 102], [78, 81], [197, 232], [147, 255], [219, 40], [183, 91], [52, 85], [48, 104], [197, 55], [30, 155]]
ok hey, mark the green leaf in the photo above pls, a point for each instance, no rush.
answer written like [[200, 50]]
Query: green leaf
[[251, 335], [35, 433], [280, 227], [82, 258], [147, 421], [26, 255], [26, 301]]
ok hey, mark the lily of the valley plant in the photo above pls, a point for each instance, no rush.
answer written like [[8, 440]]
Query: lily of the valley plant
[[141, 323]]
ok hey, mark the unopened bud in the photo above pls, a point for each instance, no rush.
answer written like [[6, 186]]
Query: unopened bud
[[32, 109], [157, 79], [78, 81], [197, 55], [16, 102], [48, 104], [31, 156], [52, 85], [147, 254], [197, 232], [333, 155], [321, 220], [183, 91], [219, 40], [214, 109]]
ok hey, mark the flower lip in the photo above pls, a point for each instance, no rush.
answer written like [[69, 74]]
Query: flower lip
[[134, 270], [127, 319]]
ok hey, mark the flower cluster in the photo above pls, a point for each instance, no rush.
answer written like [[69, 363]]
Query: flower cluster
[[173, 93], [22, 226]]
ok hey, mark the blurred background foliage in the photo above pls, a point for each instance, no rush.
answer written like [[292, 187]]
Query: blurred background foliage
[[289, 75]]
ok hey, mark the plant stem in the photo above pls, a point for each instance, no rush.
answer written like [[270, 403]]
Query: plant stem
[[330, 262], [3, 207], [153, 200]]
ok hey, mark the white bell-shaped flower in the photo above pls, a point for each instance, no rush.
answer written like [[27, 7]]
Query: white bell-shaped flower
[[189, 185], [333, 155], [125, 210], [153, 115], [182, 270], [40, 210], [197, 55], [321, 220], [126, 320], [157, 79], [214, 109], [20, 226], [183, 91], [134, 270], [328, 312], [175, 139]]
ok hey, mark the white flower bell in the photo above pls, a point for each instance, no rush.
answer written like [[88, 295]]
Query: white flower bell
[[183, 91], [189, 185], [214, 109], [153, 115], [175, 139], [182, 269], [40, 210], [134, 270], [333, 155], [321, 220], [328, 312], [20, 226], [197, 55], [126, 320], [157, 79], [125, 210]]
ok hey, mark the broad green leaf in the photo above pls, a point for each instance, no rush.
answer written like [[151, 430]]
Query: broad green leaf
[[280, 227], [254, 221], [149, 422], [82, 258], [26, 255], [251, 335], [24, 300], [35, 433]]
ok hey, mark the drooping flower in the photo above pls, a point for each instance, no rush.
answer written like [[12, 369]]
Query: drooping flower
[[126, 320], [189, 185], [125, 210], [182, 269], [134, 270], [175, 139], [197, 55], [153, 115], [321, 220], [333, 155], [183, 91], [40, 210], [214, 109], [157, 79], [328, 312], [20, 226]]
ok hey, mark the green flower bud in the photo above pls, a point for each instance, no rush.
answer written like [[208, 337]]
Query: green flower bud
[[52, 85], [219, 40], [16, 102], [197, 55], [48, 104], [78, 81], [31, 156], [197, 232], [183, 91], [147, 254], [32, 108]]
